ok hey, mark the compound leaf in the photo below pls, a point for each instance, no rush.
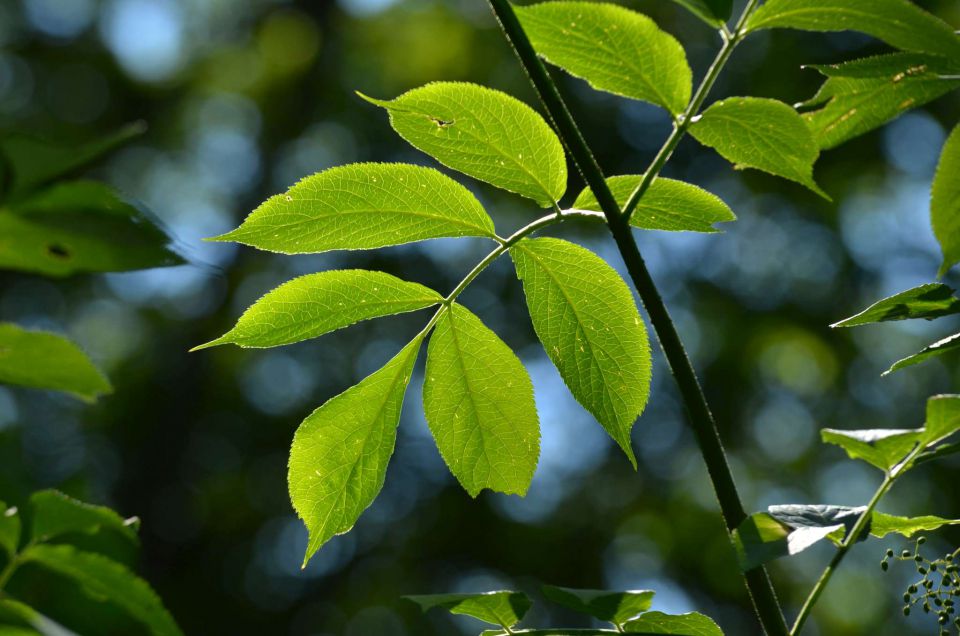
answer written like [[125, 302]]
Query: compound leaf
[[102, 578], [363, 206], [483, 133], [54, 514], [861, 95], [339, 456], [43, 360], [81, 226], [615, 49], [945, 201], [689, 624], [671, 205], [929, 301], [899, 23], [586, 318], [938, 348], [315, 304], [765, 134], [478, 400], [502, 608], [612, 607], [883, 448], [884, 524], [713, 12]]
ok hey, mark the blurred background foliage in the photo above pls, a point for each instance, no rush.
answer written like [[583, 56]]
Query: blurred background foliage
[[243, 98]]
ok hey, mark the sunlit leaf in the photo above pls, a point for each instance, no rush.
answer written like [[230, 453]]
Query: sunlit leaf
[[884, 524], [53, 514], [484, 133], [899, 23], [613, 48], [760, 133], [502, 608], [587, 320], [929, 301], [478, 400], [945, 201], [43, 360], [943, 418], [315, 304], [689, 624], [609, 606], [668, 204], [861, 95], [938, 348], [81, 226], [363, 206], [339, 456], [883, 448], [101, 578]]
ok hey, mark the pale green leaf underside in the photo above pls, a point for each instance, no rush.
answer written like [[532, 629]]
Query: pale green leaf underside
[[689, 624], [502, 608], [945, 201], [938, 348], [587, 320], [55, 514], [675, 206], [882, 448], [929, 301], [765, 134], [610, 606], [339, 456], [884, 524], [363, 206], [613, 48], [861, 95], [478, 401], [899, 23], [315, 304], [43, 360], [102, 578], [713, 12], [485, 134]]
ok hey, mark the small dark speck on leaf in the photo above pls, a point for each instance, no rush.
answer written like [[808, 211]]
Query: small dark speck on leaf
[[58, 251], [442, 123]]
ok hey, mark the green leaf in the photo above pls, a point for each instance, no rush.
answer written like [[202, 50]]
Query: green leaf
[[80, 226], [690, 624], [945, 201], [612, 607], [340, 453], [861, 95], [938, 348], [883, 448], [671, 205], [102, 578], [765, 134], [9, 529], [713, 12], [502, 608], [943, 418], [884, 524], [483, 133], [35, 162], [315, 304], [586, 318], [929, 301], [899, 23], [937, 452], [363, 206], [615, 49], [54, 513], [43, 360], [17, 619], [478, 400]]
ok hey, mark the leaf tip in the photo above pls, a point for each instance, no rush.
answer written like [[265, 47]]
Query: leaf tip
[[207, 345], [372, 100]]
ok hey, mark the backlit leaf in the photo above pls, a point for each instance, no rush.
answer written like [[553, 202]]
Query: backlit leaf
[[713, 12], [938, 348], [668, 204], [899, 23], [884, 524], [478, 400], [612, 607], [689, 624], [363, 206], [586, 318], [339, 456], [883, 448], [613, 48], [502, 608], [43, 360], [861, 95], [483, 133], [765, 134], [54, 514], [943, 418], [945, 201], [929, 301], [315, 304]]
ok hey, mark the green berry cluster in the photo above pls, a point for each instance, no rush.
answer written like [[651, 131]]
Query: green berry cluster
[[938, 588]]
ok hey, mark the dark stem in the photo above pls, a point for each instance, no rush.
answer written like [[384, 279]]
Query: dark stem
[[758, 583]]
